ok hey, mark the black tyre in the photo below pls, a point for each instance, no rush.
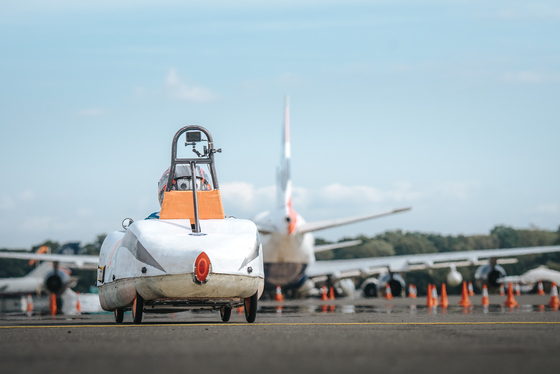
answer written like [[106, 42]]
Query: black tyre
[[137, 309], [119, 315], [225, 313], [250, 304]]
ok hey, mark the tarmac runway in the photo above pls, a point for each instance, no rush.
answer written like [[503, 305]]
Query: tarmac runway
[[310, 336]]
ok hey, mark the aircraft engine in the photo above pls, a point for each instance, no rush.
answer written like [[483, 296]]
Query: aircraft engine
[[395, 281], [369, 287], [489, 275], [454, 278], [56, 281], [345, 287]]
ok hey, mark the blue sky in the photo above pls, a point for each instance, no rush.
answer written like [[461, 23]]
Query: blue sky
[[450, 107]]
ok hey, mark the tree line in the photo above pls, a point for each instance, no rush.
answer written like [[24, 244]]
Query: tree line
[[388, 243]]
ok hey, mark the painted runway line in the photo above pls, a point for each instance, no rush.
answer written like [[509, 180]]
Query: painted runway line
[[285, 324]]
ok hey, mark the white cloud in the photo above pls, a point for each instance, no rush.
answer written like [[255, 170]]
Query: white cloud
[[289, 79], [531, 11], [282, 80], [139, 92], [456, 190], [10, 203], [247, 199], [93, 112], [37, 224], [177, 90], [530, 77], [548, 208], [26, 195], [83, 212], [244, 199], [7, 203]]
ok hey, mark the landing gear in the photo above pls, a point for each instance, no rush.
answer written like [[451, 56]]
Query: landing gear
[[137, 309], [225, 313], [119, 315], [250, 304]]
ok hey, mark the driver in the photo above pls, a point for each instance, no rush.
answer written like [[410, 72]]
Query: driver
[[182, 182]]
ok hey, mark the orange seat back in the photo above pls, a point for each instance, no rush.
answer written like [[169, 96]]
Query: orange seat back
[[179, 205]]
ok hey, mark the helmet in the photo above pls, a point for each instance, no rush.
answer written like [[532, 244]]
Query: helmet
[[182, 180]]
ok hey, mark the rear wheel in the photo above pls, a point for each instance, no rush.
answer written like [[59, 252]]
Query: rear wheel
[[137, 309], [250, 304], [225, 313], [119, 315]]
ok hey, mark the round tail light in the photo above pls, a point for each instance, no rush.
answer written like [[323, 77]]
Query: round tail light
[[201, 267]]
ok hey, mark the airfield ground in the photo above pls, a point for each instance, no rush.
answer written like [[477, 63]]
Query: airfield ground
[[343, 336]]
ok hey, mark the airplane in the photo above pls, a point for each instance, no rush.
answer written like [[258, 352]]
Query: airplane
[[48, 277], [289, 250]]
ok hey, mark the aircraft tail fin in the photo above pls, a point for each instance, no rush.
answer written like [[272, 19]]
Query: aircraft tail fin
[[284, 181]]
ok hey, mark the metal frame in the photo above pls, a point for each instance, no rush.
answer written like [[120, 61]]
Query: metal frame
[[207, 158]]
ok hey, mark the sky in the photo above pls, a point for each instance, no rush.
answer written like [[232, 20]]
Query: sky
[[450, 107]]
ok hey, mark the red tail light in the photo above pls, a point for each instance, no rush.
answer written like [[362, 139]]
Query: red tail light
[[202, 267]]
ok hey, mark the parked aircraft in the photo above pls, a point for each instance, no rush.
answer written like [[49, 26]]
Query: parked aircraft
[[48, 276], [289, 250]]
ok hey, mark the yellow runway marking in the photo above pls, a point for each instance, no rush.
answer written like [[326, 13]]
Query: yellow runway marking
[[284, 324]]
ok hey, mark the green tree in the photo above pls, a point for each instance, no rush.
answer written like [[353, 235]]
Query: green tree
[[507, 236]]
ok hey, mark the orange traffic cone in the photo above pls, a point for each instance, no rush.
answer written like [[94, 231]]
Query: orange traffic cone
[[434, 296], [502, 290], [331, 293], [52, 304], [485, 301], [510, 302], [78, 304], [388, 294], [29, 305], [429, 300], [324, 296], [554, 302], [517, 289], [279, 296], [465, 302], [443, 302], [412, 291], [540, 289], [471, 289]]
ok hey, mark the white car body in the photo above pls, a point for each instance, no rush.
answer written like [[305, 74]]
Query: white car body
[[156, 259]]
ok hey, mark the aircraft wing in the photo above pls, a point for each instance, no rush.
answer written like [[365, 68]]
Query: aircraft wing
[[75, 261], [376, 265], [328, 247], [316, 226]]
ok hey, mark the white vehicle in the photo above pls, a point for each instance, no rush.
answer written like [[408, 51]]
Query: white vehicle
[[192, 257], [289, 250]]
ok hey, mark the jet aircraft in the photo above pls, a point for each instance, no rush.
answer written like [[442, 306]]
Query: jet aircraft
[[289, 250], [48, 277]]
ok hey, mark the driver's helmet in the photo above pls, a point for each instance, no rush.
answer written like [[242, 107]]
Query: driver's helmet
[[182, 180]]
